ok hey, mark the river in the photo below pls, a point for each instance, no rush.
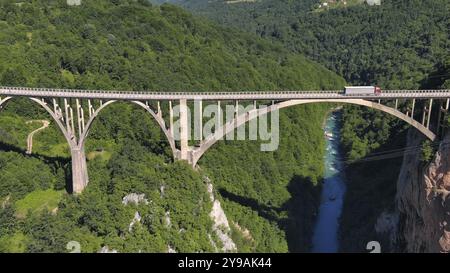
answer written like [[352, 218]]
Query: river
[[325, 238]]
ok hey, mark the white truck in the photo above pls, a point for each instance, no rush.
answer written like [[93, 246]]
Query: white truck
[[362, 90]]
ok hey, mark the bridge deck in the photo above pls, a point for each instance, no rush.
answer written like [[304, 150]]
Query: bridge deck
[[250, 95]]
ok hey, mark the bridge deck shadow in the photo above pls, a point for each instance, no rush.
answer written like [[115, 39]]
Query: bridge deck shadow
[[55, 162], [301, 209]]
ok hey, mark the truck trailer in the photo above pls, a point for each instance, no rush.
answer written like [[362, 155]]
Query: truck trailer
[[362, 90]]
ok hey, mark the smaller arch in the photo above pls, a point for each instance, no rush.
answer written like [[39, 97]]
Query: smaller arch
[[161, 124], [4, 100], [70, 140], [159, 120], [91, 120]]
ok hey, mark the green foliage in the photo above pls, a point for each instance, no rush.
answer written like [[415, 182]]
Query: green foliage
[[13, 244], [427, 151], [365, 130], [395, 45], [21, 175], [142, 48], [38, 201]]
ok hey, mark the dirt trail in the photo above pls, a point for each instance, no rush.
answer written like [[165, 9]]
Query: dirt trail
[[45, 124]]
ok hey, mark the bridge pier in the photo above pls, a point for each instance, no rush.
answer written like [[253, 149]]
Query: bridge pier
[[429, 113], [80, 177], [412, 108], [184, 131]]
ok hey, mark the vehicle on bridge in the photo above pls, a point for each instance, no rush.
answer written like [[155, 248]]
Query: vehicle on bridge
[[362, 90]]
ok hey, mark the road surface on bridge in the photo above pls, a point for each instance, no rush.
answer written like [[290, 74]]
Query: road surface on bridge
[[250, 95]]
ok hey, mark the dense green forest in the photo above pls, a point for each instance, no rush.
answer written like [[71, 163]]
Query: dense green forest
[[132, 45], [400, 44], [395, 45]]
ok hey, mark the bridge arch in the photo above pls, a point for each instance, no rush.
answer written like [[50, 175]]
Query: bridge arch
[[4, 100], [80, 176], [147, 108], [240, 120], [68, 137]]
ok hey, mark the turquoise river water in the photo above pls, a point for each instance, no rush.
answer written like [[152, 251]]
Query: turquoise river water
[[325, 238]]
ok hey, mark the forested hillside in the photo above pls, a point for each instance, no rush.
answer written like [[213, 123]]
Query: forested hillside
[[132, 45], [397, 44]]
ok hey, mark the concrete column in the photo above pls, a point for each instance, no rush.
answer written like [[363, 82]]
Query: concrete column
[[396, 104], [198, 120], [429, 113], [66, 112], [82, 119], [79, 118], [80, 177], [439, 118], [412, 110], [54, 106], [72, 126], [219, 117], [424, 115], [447, 104], [171, 118], [236, 114], [159, 110], [91, 109], [184, 147]]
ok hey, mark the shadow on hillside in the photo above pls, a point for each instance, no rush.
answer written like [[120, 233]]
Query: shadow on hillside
[[371, 190], [301, 209], [436, 78], [268, 212], [54, 162]]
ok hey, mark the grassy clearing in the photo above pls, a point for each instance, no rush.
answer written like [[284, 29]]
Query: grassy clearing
[[37, 201], [16, 243]]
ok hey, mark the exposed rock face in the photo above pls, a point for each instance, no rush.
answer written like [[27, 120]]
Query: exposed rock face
[[73, 2], [387, 224], [134, 198], [423, 200], [106, 249], [167, 221], [137, 219], [221, 226], [170, 249]]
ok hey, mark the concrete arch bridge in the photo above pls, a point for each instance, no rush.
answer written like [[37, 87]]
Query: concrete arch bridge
[[74, 111]]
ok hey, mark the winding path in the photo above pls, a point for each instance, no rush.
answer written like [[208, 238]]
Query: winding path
[[45, 124]]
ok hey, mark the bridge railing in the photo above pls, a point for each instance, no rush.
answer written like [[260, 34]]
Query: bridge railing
[[27, 91]]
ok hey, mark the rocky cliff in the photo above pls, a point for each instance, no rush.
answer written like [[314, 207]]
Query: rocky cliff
[[423, 199]]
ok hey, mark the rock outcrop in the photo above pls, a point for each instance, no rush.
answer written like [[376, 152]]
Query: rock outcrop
[[105, 249], [221, 226], [134, 198], [137, 219], [423, 199]]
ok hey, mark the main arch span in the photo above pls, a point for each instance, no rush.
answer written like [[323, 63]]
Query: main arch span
[[241, 119]]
